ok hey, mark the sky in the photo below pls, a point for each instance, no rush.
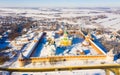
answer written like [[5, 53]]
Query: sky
[[59, 3]]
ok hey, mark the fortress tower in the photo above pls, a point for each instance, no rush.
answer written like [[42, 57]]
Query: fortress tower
[[21, 60]]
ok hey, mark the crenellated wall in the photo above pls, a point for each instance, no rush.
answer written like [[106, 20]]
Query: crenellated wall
[[94, 46], [22, 62]]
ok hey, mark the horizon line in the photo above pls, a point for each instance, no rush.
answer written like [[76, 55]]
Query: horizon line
[[61, 7]]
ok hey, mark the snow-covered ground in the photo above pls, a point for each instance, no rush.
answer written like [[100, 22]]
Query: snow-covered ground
[[44, 50], [112, 23], [76, 72], [68, 13]]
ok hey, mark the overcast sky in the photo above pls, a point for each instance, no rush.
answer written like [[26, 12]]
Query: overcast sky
[[59, 3]]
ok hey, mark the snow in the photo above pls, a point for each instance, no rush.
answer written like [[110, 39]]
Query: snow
[[32, 46], [111, 23], [44, 50], [68, 13], [75, 72], [99, 45], [75, 15], [29, 49]]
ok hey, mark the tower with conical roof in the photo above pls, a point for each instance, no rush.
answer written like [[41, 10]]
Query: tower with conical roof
[[21, 60]]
